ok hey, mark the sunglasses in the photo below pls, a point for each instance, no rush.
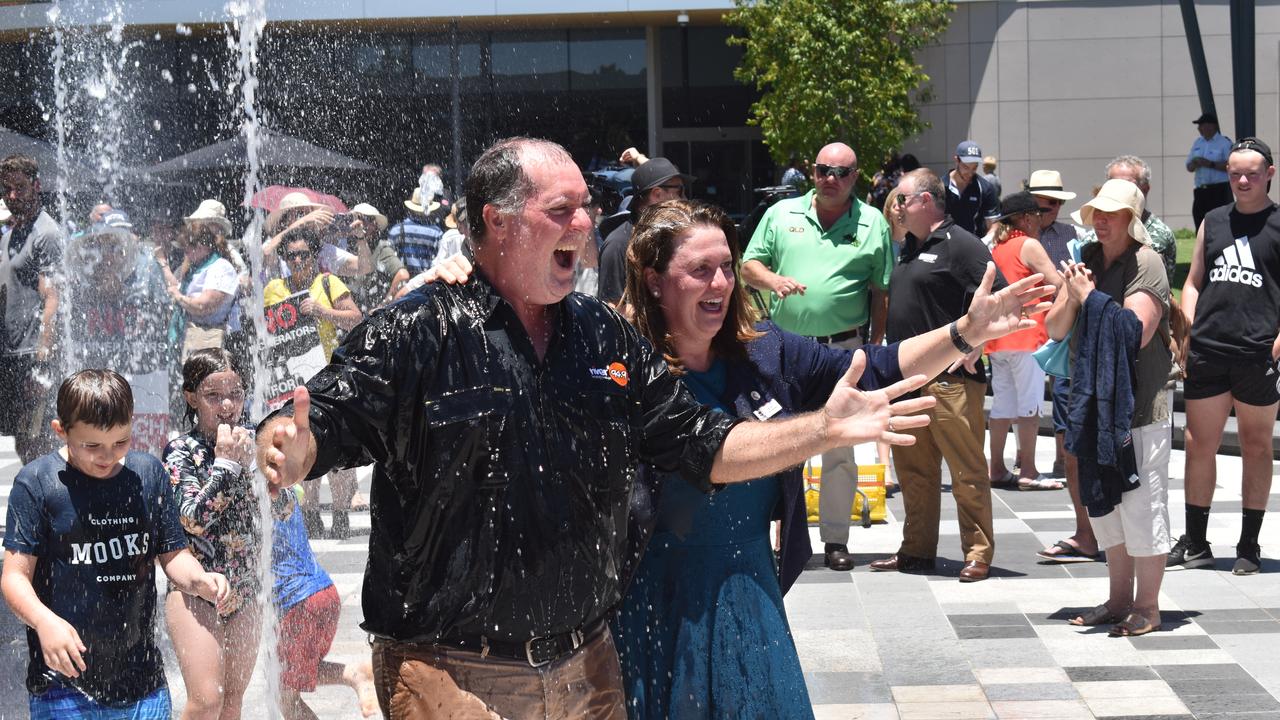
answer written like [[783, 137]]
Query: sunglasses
[[1052, 202], [673, 188], [906, 198], [299, 255], [840, 171]]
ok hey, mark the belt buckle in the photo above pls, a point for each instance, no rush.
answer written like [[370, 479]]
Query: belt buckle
[[575, 636]]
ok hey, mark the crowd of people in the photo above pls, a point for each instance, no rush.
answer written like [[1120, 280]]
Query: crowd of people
[[582, 426]]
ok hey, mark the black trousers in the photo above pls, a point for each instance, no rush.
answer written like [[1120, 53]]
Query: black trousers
[[1208, 197]]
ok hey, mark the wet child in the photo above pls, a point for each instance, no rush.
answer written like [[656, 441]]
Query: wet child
[[210, 471], [85, 526], [308, 605]]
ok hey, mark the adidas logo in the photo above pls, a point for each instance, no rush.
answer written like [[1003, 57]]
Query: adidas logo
[[1235, 264]]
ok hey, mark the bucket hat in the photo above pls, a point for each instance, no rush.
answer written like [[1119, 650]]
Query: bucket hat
[[1117, 195]]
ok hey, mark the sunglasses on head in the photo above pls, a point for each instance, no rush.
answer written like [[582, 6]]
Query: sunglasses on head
[[840, 171]]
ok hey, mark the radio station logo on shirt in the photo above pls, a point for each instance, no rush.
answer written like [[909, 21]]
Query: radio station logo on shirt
[[616, 372], [1235, 264]]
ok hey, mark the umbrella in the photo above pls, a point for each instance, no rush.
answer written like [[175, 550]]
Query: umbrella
[[80, 172], [275, 150], [268, 198]]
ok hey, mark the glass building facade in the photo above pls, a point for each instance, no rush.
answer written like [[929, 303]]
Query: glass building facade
[[398, 98]]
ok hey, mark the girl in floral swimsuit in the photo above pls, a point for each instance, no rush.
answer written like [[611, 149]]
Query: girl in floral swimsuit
[[212, 481]]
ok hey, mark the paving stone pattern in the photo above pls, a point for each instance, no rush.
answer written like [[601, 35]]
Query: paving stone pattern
[[926, 647]]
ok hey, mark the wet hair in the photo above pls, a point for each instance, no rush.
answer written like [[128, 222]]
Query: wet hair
[[653, 243], [99, 398], [203, 363], [925, 180], [21, 164], [498, 178]]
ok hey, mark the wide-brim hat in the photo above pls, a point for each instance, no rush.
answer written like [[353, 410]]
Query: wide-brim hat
[[371, 211], [290, 201], [212, 212], [1115, 195], [1049, 184], [1018, 203], [655, 172], [414, 203]]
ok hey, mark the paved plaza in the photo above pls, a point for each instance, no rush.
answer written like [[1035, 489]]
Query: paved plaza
[[916, 647]]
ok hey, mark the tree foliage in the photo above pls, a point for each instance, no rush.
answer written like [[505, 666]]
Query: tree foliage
[[833, 70]]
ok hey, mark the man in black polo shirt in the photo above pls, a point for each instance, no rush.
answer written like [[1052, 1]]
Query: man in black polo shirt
[[940, 267], [972, 201], [1232, 300]]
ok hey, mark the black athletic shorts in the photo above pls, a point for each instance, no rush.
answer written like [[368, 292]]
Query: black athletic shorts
[[1252, 383]]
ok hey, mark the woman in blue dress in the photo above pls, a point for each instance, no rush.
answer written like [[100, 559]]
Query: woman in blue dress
[[702, 632]]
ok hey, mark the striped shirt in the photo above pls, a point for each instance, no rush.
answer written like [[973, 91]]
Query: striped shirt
[[416, 243]]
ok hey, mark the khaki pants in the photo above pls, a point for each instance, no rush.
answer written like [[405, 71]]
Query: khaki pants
[[955, 434], [839, 479], [421, 682]]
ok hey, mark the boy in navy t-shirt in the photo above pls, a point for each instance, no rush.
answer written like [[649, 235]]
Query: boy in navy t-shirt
[[84, 529]]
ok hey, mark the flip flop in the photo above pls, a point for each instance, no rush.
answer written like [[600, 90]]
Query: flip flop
[[1100, 615], [1133, 625], [1040, 482], [1009, 481], [1070, 554]]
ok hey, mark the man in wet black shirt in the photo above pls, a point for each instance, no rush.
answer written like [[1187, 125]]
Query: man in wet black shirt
[[507, 417]]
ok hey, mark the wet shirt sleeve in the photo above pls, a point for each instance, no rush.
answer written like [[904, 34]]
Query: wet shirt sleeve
[[679, 434], [26, 524], [363, 403], [199, 482]]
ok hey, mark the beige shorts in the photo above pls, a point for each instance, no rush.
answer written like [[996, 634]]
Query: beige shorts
[[1141, 521]]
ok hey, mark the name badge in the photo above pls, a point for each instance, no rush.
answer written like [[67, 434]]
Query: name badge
[[929, 257], [768, 410]]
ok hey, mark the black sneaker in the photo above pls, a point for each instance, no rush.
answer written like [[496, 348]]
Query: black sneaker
[[1186, 555], [1248, 560]]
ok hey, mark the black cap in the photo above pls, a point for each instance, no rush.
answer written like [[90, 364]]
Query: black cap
[[1017, 204], [655, 172], [1206, 118], [1254, 144]]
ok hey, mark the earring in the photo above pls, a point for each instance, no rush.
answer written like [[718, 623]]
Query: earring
[[657, 294]]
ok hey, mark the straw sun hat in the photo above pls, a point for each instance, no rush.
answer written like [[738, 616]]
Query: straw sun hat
[[1117, 195]]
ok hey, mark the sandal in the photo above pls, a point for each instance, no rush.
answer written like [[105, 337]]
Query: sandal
[[1008, 481], [1100, 615], [1040, 482], [1068, 553], [1133, 625]]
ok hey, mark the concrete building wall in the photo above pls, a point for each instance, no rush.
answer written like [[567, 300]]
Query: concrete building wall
[[1070, 84]]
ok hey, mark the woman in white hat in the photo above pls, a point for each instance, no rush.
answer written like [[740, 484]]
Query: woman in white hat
[[206, 286], [1130, 519]]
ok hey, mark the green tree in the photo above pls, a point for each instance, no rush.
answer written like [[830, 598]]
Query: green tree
[[834, 70]]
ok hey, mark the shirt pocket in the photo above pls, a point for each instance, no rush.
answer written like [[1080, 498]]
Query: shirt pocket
[[464, 430]]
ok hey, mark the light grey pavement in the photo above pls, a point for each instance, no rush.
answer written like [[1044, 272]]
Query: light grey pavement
[[916, 647], [877, 645]]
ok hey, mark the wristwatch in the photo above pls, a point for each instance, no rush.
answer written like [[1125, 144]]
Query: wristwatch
[[958, 340]]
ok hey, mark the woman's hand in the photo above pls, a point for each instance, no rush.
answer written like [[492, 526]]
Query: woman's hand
[[1079, 281]]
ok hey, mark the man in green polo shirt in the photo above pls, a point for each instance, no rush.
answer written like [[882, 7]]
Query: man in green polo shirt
[[826, 259]]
